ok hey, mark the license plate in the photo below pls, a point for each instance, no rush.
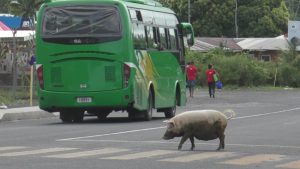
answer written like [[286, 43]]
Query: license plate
[[84, 99]]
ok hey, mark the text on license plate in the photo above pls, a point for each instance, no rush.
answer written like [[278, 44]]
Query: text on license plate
[[84, 99]]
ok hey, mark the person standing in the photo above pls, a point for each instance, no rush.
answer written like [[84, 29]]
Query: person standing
[[191, 72], [210, 72]]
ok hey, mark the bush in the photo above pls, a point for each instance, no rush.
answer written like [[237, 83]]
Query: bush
[[288, 75], [242, 70]]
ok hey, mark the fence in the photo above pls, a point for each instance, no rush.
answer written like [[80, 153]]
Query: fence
[[19, 98]]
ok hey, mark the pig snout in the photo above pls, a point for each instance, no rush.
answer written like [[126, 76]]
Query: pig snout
[[168, 135]]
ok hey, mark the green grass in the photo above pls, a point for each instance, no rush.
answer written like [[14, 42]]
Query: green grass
[[21, 98]]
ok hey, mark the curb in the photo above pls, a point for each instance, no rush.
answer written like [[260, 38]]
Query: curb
[[24, 113]]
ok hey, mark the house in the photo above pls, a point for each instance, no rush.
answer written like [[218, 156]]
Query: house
[[266, 49], [206, 43], [24, 45]]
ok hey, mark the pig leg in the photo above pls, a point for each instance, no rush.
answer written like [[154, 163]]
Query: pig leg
[[221, 144], [192, 142], [183, 139]]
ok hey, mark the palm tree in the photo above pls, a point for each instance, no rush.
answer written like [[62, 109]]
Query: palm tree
[[26, 9]]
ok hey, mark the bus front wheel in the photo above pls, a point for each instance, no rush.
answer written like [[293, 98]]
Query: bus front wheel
[[171, 111], [148, 112]]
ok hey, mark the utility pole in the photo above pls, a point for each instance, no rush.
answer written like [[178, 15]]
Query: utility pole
[[189, 11], [14, 64], [236, 21]]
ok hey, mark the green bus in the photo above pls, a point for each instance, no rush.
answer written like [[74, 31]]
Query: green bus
[[99, 56]]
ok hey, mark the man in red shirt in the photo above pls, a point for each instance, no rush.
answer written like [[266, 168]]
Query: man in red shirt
[[210, 80], [191, 72]]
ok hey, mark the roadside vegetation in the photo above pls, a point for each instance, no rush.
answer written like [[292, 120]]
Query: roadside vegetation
[[241, 70]]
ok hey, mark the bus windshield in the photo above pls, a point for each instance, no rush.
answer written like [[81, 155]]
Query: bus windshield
[[81, 24]]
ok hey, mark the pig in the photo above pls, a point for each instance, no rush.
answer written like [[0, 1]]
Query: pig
[[202, 124]]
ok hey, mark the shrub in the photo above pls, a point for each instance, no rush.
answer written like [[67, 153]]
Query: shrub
[[234, 69], [288, 75]]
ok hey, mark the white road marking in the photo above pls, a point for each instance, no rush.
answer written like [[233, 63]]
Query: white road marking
[[176, 143], [265, 114], [146, 154], [88, 153], [290, 165], [11, 148], [109, 134], [254, 159], [155, 128], [32, 152], [199, 156]]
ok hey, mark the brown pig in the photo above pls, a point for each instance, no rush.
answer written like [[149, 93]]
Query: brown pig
[[202, 124]]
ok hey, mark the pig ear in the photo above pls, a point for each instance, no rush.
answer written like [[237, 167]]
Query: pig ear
[[170, 123]]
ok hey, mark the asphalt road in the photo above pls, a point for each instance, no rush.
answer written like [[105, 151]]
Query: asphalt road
[[265, 134]]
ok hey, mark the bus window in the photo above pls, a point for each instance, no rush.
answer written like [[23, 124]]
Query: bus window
[[173, 38], [159, 19], [168, 38], [150, 38], [132, 15], [171, 20], [147, 16], [139, 16], [135, 15], [163, 39], [156, 35], [63, 24], [139, 36]]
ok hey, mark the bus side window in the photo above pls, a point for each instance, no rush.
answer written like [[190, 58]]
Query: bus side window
[[163, 39], [167, 32], [139, 40], [156, 37], [150, 37], [173, 39], [139, 16]]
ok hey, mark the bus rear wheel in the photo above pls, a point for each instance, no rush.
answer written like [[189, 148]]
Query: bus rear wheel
[[71, 116], [65, 117]]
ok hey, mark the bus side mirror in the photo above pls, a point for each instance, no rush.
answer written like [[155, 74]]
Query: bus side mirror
[[189, 31], [190, 40]]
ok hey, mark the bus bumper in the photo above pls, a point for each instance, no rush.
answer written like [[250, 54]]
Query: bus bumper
[[55, 101]]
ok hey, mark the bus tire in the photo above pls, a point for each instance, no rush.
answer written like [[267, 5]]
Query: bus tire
[[103, 114], [132, 115], [148, 112], [78, 116], [65, 117], [171, 111]]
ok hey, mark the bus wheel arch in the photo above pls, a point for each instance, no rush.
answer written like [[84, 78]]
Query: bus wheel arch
[[150, 104], [178, 95], [171, 111]]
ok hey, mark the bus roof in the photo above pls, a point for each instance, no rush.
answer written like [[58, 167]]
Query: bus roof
[[130, 3], [144, 2]]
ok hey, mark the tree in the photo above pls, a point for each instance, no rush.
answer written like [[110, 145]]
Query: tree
[[3, 50], [4, 6], [25, 8], [266, 18], [215, 18], [294, 9]]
